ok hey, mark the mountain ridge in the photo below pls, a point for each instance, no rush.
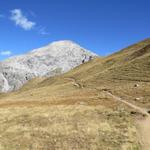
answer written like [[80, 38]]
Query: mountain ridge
[[53, 59]]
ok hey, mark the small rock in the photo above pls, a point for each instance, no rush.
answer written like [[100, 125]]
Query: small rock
[[136, 85], [82, 103], [137, 99], [133, 112], [148, 111]]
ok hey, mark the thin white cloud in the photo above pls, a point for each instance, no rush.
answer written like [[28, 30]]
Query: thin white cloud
[[21, 20], [5, 53], [42, 31]]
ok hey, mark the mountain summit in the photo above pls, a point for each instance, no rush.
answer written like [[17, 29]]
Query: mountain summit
[[53, 59]]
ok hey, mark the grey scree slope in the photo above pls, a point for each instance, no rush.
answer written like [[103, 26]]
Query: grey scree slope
[[53, 59]]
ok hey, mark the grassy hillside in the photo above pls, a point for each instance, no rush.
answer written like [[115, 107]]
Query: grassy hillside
[[75, 110]]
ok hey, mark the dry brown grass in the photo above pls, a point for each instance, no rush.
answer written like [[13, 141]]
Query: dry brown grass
[[65, 127], [72, 111]]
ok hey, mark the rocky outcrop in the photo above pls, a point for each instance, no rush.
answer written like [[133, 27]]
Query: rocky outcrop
[[53, 59]]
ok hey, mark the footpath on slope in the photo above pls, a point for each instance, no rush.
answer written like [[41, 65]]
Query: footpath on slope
[[143, 125], [74, 82]]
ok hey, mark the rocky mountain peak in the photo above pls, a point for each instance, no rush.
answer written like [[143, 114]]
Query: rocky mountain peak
[[53, 59]]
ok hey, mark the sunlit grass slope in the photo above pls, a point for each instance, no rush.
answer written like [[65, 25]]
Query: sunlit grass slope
[[74, 111]]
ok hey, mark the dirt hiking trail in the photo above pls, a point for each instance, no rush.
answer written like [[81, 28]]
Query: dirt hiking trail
[[143, 124]]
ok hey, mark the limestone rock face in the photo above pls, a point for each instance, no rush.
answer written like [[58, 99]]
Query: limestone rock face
[[53, 59]]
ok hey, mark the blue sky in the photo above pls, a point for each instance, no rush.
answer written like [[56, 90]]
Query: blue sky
[[103, 26]]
